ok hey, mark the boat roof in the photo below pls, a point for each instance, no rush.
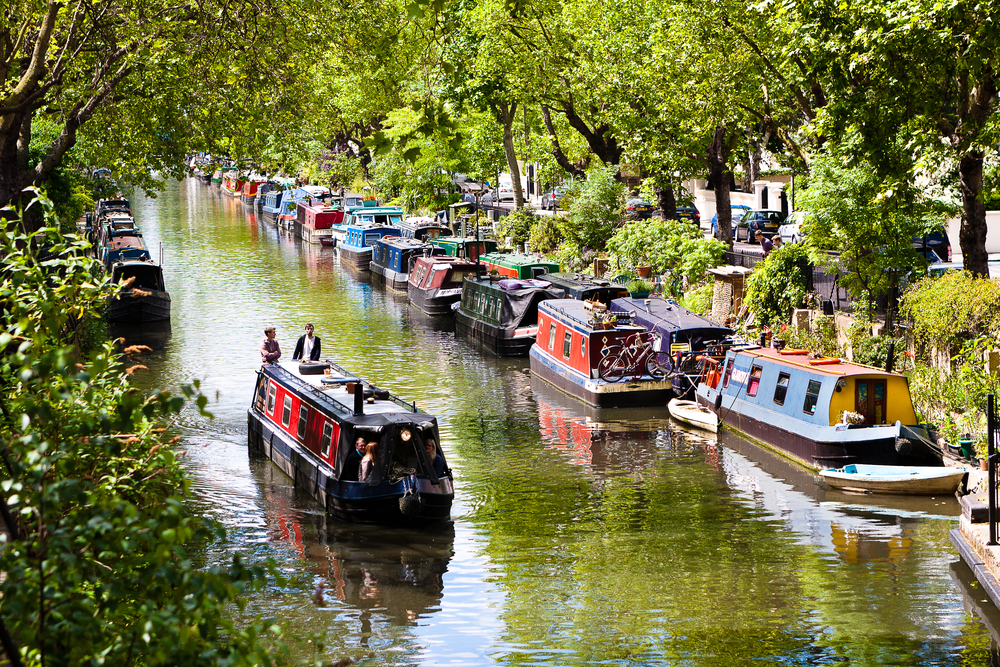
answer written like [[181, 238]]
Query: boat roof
[[460, 240], [579, 280], [456, 262], [517, 284], [516, 259], [573, 309], [130, 241], [405, 244], [664, 316], [840, 369]]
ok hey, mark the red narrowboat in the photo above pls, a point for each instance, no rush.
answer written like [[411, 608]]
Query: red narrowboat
[[435, 283], [248, 193], [232, 185], [306, 418], [571, 342], [314, 221]]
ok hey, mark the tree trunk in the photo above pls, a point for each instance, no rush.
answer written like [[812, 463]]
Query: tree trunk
[[507, 112], [972, 235], [557, 151], [667, 202], [721, 175]]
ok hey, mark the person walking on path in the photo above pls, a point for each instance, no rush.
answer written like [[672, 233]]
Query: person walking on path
[[270, 351], [308, 346]]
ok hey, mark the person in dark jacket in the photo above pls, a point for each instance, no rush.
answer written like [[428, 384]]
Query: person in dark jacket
[[431, 448], [352, 466], [308, 346]]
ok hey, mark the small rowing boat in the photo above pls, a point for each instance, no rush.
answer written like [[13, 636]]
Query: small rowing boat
[[692, 414], [902, 480]]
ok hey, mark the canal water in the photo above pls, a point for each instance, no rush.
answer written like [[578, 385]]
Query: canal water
[[579, 536]]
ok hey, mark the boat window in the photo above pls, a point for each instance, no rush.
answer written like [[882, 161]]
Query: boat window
[[754, 383], [286, 411], [261, 393], [327, 440], [729, 372], [303, 418], [552, 336], [812, 397], [567, 344], [781, 388], [270, 398], [583, 346]]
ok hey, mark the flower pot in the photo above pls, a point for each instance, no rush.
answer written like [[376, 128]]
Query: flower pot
[[984, 464], [644, 271]]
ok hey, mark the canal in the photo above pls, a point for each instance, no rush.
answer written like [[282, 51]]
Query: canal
[[579, 537]]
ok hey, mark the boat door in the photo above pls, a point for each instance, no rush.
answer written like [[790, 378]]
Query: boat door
[[870, 400]]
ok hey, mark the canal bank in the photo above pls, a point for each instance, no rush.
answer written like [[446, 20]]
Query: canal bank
[[579, 535]]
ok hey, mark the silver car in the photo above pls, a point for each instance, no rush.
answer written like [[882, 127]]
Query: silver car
[[791, 230]]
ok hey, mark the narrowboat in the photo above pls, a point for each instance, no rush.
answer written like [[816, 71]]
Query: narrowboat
[[392, 257], [823, 413], [684, 334], [249, 192], [423, 228], [378, 216], [289, 213], [144, 299], [274, 205], [306, 418], [584, 287], [217, 177], [517, 265], [572, 339], [356, 249], [109, 224], [314, 222], [435, 283], [232, 185], [502, 315], [262, 190], [122, 246], [464, 247]]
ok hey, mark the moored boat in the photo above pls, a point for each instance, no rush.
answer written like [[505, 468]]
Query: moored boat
[[423, 228], [692, 414], [584, 287], [517, 265], [232, 184], [248, 193], [572, 339], [307, 423], [464, 247], [314, 222], [356, 248], [375, 215], [898, 480], [819, 415], [435, 282], [502, 315], [392, 258], [143, 297]]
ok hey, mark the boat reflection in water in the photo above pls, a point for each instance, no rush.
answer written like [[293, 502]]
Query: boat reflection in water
[[154, 334], [395, 574]]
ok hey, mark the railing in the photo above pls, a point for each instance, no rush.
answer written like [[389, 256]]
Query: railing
[[992, 457]]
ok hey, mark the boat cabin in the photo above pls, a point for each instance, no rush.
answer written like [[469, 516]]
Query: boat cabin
[[464, 247], [145, 275], [584, 287], [502, 314], [518, 265], [435, 282], [423, 228], [314, 220], [376, 216], [274, 203], [125, 247], [365, 236]]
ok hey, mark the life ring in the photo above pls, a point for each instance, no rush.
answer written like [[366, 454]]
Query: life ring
[[792, 350], [825, 361]]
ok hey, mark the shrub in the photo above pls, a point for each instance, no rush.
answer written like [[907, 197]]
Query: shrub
[[778, 284], [596, 208], [954, 307], [699, 299], [517, 225], [547, 233]]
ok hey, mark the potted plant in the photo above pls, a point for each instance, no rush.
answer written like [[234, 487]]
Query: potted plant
[[639, 288]]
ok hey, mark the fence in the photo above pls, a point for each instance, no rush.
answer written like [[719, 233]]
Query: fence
[[823, 282], [992, 458]]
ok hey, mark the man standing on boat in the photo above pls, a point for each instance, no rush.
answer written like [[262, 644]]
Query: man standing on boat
[[269, 349], [308, 346]]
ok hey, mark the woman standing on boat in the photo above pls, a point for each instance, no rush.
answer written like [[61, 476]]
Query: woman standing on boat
[[368, 462]]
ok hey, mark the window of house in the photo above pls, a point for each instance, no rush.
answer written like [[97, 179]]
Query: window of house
[[327, 439], [812, 397], [303, 420], [754, 383], [286, 411], [781, 388]]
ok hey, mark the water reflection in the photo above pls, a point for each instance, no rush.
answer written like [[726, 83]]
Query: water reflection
[[156, 335]]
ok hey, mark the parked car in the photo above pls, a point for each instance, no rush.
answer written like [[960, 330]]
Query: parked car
[[938, 269], [689, 212], [937, 241], [505, 189], [790, 230], [553, 198], [736, 212], [638, 208], [762, 220]]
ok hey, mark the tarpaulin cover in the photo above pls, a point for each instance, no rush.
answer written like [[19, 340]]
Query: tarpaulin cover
[[514, 283], [675, 324], [520, 306]]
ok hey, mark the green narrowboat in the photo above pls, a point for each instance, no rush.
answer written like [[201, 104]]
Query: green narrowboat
[[514, 265], [464, 247]]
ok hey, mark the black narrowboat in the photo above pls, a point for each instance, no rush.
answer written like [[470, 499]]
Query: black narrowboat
[[502, 315], [306, 418], [584, 287], [143, 297]]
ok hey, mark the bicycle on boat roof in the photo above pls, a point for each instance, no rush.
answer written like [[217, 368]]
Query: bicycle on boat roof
[[636, 357]]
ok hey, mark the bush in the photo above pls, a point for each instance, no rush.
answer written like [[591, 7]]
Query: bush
[[547, 233], [699, 299], [778, 284], [820, 338], [954, 307], [517, 225], [596, 208]]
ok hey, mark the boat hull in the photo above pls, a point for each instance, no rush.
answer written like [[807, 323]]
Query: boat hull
[[501, 342], [434, 302], [891, 480], [151, 306], [688, 412], [357, 258], [347, 501], [596, 392], [393, 280]]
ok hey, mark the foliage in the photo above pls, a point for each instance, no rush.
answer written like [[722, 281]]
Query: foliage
[[517, 225], [639, 285], [596, 207], [100, 552], [778, 284], [953, 307], [820, 337], [873, 350], [671, 247], [699, 299], [547, 233], [572, 257]]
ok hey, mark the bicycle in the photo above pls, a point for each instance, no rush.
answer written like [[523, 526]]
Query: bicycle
[[636, 358]]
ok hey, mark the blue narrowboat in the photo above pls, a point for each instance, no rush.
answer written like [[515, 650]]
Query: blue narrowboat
[[375, 215], [356, 249], [393, 257], [823, 413], [306, 417], [275, 203], [423, 228], [684, 334]]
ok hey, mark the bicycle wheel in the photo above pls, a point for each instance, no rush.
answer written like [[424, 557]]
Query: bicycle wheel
[[655, 370], [611, 368]]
